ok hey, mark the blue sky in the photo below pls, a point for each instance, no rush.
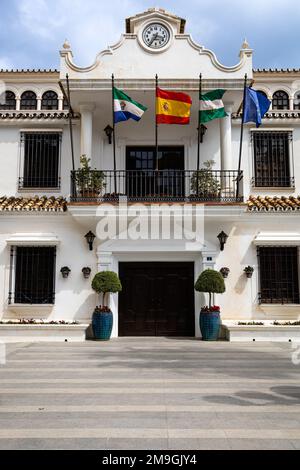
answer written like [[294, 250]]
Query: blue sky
[[32, 31]]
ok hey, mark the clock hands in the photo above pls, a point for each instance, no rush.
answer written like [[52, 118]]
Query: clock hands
[[156, 36], [153, 39]]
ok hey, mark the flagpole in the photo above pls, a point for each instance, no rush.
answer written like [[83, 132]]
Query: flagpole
[[156, 125], [114, 136], [241, 139], [199, 130], [71, 113]]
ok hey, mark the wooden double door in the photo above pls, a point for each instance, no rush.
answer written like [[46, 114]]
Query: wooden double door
[[157, 299]]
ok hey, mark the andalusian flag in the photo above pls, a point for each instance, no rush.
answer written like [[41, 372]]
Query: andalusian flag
[[212, 106], [126, 108], [172, 107]]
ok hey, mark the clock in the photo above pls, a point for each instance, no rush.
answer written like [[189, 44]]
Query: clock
[[156, 36]]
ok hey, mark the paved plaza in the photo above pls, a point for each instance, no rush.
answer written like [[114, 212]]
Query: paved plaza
[[149, 393]]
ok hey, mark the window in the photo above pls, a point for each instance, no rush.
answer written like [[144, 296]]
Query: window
[[280, 100], [272, 159], [142, 178], [10, 101], [34, 275], [65, 104], [41, 160], [278, 271], [49, 100], [297, 101], [28, 100]]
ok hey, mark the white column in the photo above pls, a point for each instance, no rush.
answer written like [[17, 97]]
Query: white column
[[60, 104], [225, 140], [86, 111], [226, 152]]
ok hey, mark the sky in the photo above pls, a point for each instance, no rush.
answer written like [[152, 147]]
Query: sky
[[33, 31]]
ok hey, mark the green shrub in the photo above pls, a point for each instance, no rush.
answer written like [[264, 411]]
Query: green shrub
[[106, 281], [210, 281]]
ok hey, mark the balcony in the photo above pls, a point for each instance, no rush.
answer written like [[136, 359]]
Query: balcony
[[206, 185]]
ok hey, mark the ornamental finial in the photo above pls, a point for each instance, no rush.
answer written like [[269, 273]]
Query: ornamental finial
[[245, 44], [66, 44]]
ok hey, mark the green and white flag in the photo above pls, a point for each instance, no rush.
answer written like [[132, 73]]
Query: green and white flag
[[211, 106], [126, 108]]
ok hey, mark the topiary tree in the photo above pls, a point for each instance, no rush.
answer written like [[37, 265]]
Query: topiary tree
[[210, 281], [105, 282]]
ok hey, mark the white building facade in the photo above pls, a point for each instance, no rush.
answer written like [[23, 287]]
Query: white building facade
[[46, 208]]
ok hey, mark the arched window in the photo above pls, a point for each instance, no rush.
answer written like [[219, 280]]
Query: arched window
[[297, 100], [28, 100], [10, 101], [280, 100], [65, 104], [50, 100]]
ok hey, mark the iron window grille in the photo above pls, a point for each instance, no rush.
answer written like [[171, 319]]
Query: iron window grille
[[49, 100], [40, 160], [278, 275], [280, 100], [10, 101], [28, 100], [32, 275], [273, 159]]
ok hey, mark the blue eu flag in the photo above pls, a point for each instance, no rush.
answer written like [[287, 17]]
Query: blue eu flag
[[255, 106]]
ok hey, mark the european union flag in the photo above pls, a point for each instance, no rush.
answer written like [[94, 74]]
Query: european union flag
[[255, 106]]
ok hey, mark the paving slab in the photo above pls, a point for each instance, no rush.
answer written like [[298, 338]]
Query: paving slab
[[149, 393]]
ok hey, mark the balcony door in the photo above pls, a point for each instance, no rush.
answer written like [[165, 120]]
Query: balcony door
[[149, 178]]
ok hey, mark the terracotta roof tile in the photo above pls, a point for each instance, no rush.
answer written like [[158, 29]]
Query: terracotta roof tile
[[35, 203], [273, 203]]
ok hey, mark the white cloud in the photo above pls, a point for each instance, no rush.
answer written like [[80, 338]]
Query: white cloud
[[92, 25], [5, 63], [89, 25]]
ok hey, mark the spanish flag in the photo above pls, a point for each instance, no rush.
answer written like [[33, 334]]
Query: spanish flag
[[172, 107]]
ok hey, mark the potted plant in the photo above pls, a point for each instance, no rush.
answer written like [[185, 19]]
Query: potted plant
[[225, 271], [204, 184], [104, 282], [86, 271], [249, 271], [212, 282], [90, 182], [65, 271]]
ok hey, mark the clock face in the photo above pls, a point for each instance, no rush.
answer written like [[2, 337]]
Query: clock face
[[156, 36]]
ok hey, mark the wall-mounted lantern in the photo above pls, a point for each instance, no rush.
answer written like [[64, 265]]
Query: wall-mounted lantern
[[90, 237], [86, 271], [108, 131], [203, 130], [65, 271], [222, 237]]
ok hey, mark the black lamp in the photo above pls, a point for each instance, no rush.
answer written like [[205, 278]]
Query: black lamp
[[90, 237], [222, 239], [108, 131], [203, 130]]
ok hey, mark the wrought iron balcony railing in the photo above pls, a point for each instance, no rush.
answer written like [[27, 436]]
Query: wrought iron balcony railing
[[157, 185]]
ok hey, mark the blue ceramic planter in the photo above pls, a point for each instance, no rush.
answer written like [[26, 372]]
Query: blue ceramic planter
[[209, 325], [102, 325]]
